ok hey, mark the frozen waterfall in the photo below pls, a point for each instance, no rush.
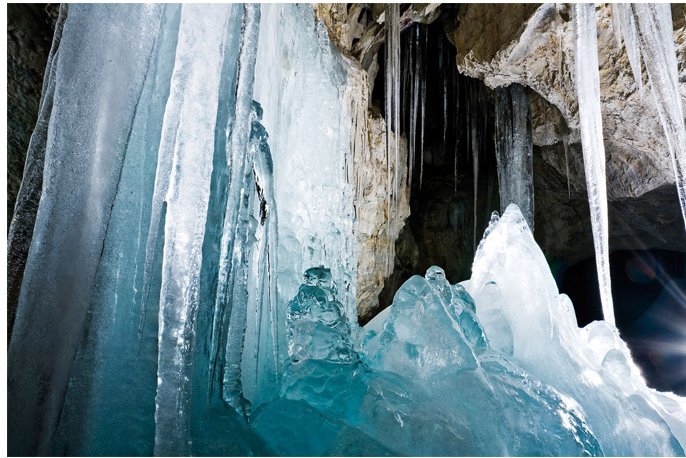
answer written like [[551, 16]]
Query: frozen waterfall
[[160, 226]]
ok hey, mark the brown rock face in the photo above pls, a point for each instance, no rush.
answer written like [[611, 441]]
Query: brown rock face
[[533, 45]]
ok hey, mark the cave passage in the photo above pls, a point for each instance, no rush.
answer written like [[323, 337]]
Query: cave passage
[[457, 126]]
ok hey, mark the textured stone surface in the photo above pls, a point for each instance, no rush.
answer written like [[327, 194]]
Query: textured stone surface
[[534, 47], [369, 176]]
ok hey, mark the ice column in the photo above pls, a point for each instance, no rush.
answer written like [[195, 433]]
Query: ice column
[[91, 119], [189, 133], [514, 150], [659, 54], [232, 294], [588, 91], [110, 403], [300, 81], [392, 117]]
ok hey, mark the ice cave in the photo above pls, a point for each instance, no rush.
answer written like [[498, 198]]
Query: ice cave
[[353, 229]]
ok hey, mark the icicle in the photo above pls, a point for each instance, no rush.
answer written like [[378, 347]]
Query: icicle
[[456, 85], [623, 20], [588, 90], [659, 54], [261, 363], [416, 72], [424, 51], [445, 97], [199, 58], [616, 23], [392, 109], [474, 144], [232, 293], [514, 150], [564, 133]]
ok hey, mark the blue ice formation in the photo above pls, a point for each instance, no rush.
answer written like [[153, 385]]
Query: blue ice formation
[[148, 319]]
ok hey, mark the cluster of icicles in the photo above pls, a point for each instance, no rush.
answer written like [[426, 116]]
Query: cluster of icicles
[[646, 30]]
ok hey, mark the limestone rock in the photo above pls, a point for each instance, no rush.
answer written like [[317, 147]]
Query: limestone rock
[[533, 45]]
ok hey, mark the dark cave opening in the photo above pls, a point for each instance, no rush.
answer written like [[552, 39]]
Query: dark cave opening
[[440, 229]]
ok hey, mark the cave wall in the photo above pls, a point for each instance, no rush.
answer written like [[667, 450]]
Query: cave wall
[[533, 45]]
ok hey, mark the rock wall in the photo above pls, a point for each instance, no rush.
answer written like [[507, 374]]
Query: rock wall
[[533, 45], [369, 175]]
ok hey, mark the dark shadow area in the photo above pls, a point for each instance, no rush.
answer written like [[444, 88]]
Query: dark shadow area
[[649, 292], [458, 119], [29, 36]]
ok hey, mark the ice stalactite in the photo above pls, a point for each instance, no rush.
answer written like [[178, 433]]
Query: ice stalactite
[[475, 149], [625, 29], [193, 80], [392, 111], [456, 127], [424, 49], [564, 134], [588, 91], [414, 100], [656, 38], [514, 150], [75, 208]]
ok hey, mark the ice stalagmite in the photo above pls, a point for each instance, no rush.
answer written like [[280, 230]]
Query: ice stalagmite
[[514, 150], [517, 300], [74, 211], [588, 91], [659, 54]]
